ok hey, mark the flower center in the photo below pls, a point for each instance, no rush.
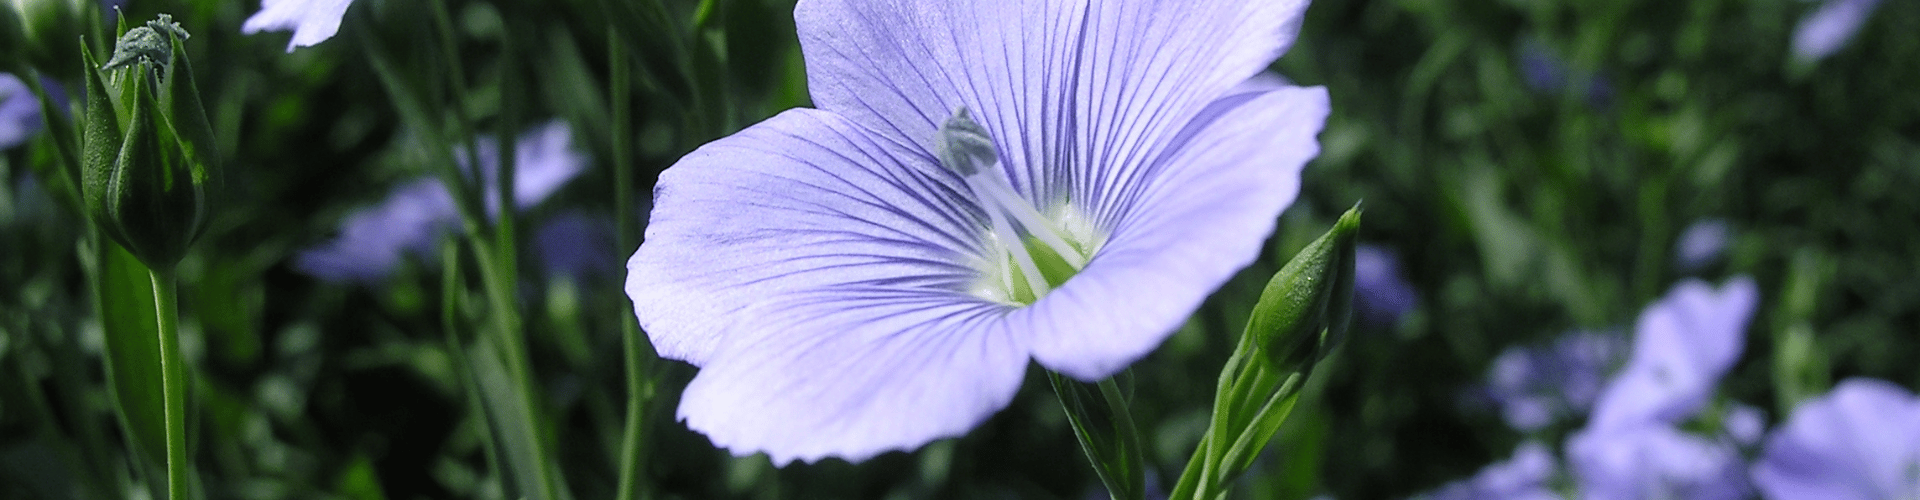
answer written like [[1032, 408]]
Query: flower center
[[1027, 252]]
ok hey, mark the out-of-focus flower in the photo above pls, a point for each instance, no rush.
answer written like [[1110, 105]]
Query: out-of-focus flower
[[1744, 424], [19, 112], [1700, 244], [312, 21], [1522, 477], [1548, 73], [1828, 28], [1654, 461], [1682, 345], [576, 245], [877, 273], [1380, 295], [1536, 386], [374, 240], [1859, 442]]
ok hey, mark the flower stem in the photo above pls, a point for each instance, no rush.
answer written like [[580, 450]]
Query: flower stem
[[639, 389], [173, 380]]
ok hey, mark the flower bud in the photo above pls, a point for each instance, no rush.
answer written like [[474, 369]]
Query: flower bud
[[1306, 307], [147, 149], [46, 31]]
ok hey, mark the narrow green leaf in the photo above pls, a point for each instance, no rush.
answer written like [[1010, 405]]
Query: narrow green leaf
[[132, 350]]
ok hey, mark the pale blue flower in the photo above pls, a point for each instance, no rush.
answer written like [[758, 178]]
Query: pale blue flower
[[1700, 244], [1654, 461], [312, 21], [1682, 345], [1380, 295], [1828, 28], [1522, 477], [1744, 424], [877, 273], [19, 112], [576, 245], [1537, 386], [1859, 442], [374, 240]]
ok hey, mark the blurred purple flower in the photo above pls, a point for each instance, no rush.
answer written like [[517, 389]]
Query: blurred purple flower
[[1536, 386], [1548, 73], [1682, 345], [577, 245], [312, 21], [19, 112], [1827, 29], [372, 241], [1380, 296], [1654, 461], [1700, 244], [1859, 442], [1522, 477], [850, 279], [1744, 424]]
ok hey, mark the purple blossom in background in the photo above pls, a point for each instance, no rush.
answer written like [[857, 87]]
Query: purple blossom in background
[[1536, 386], [1654, 461], [1827, 29], [1744, 424], [312, 21], [1523, 477], [1380, 296], [877, 273], [576, 245], [19, 112], [1548, 73], [372, 241], [1700, 244], [1682, 345], [1859, 442]]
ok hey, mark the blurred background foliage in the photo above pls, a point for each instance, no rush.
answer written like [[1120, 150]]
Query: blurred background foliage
[[1532, 163]]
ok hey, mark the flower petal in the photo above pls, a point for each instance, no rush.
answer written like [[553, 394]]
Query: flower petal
[[312, 21], [1860, 441], [803, 202], [1079, 94], [1210, 205], [853, 372], [1682, 345], [373, 240]]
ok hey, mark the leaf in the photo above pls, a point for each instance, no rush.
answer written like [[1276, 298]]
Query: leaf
[[125, 293]]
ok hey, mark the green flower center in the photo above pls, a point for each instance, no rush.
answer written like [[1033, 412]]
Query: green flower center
[[1027, 253]]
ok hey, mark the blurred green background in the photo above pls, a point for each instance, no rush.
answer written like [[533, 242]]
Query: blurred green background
[[1532, 163]]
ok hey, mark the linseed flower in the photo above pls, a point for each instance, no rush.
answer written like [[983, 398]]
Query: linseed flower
[[312, 21], [19, 112], [374, 240], [1859, 442], [983, 183]]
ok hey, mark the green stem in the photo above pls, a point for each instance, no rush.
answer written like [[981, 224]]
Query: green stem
[[1129, 437], [173, 380], [639, 391], [452, 289]]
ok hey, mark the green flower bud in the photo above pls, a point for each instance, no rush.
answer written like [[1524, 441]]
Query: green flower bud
[[47, 29], [148, 163], [1306, 307]]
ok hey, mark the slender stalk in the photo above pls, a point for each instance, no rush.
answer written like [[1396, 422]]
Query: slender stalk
[[452, 288], [173, 380], [1129, 437], [639, 390]]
